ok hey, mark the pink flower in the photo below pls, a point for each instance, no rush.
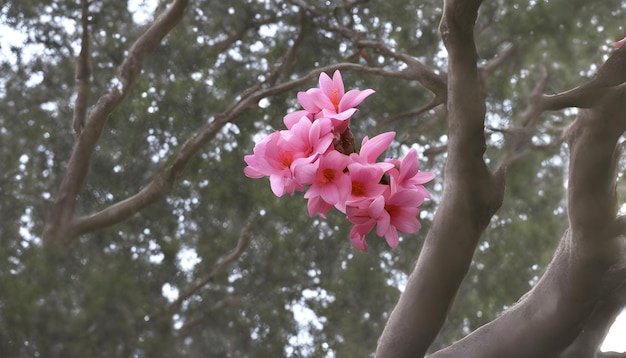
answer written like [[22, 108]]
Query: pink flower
[[389, 213], [294, 117], [371, 149], [399, 213], [382, 195], [273, 157], [408, 176], [327, 178], [359, 232], [333, 98], [331, 101], [619, 43], [365, 179], [317, 205], [309, 138]]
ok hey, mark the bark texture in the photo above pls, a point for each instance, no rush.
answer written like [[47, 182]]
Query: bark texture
[[568, 312]]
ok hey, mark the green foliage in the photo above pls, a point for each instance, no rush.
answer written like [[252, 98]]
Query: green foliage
[[103, 295]]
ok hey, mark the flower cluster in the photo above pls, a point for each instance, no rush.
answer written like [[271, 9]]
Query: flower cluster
[[317, 152]]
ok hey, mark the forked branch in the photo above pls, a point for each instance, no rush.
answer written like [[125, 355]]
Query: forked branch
[[472, 194], [60, 224], [582, 273]]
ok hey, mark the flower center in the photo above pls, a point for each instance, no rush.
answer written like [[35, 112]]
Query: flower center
[[286, 158], [334, 98], [358, 188], [328, 175]]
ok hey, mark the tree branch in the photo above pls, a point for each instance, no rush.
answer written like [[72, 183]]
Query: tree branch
[[228, 301], [436, 101], [59, 225], [612, 73], [508, 52], [244, 238], [549, 318], [435, 83], [83, 73], [521, 140], [595, 330], [472, 194]]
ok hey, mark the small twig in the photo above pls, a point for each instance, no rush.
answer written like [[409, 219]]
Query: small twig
[[497, 61], [83, 73], [436, 101], [60, 224], [525, 125], [288, 58], [244, 238], [226, 302]]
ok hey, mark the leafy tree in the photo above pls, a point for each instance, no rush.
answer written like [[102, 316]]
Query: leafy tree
[[130, 229]]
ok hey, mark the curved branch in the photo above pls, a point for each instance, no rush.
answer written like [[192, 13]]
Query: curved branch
[[497, 61], [436, 83], [612, 73], [436, 101], [244, 238], [549, 318], [228, 301], [524, 124], [83, 73], [472, 194], [148, 41], [59, 224]]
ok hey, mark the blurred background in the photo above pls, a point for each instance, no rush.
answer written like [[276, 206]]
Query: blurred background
[[149, 287]]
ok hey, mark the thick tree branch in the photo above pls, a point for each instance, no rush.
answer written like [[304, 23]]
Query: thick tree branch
[[59, 224], [471, 196], [595, 330], [549, 318], [612, 73]]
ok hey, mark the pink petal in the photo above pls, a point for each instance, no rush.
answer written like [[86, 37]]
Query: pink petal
[[342, 116], [330, 194], [373, 148], [306, 101], [376, 208], [250, 172], [358, 241], [338, 82], [619, 43], [317, 206], [305, 173], [294, 117], [326, 85], [322, 101], [406, 198], [409, 165], [383, 225], [392, 238], [353, 98], [277, 183], [407, 225]]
